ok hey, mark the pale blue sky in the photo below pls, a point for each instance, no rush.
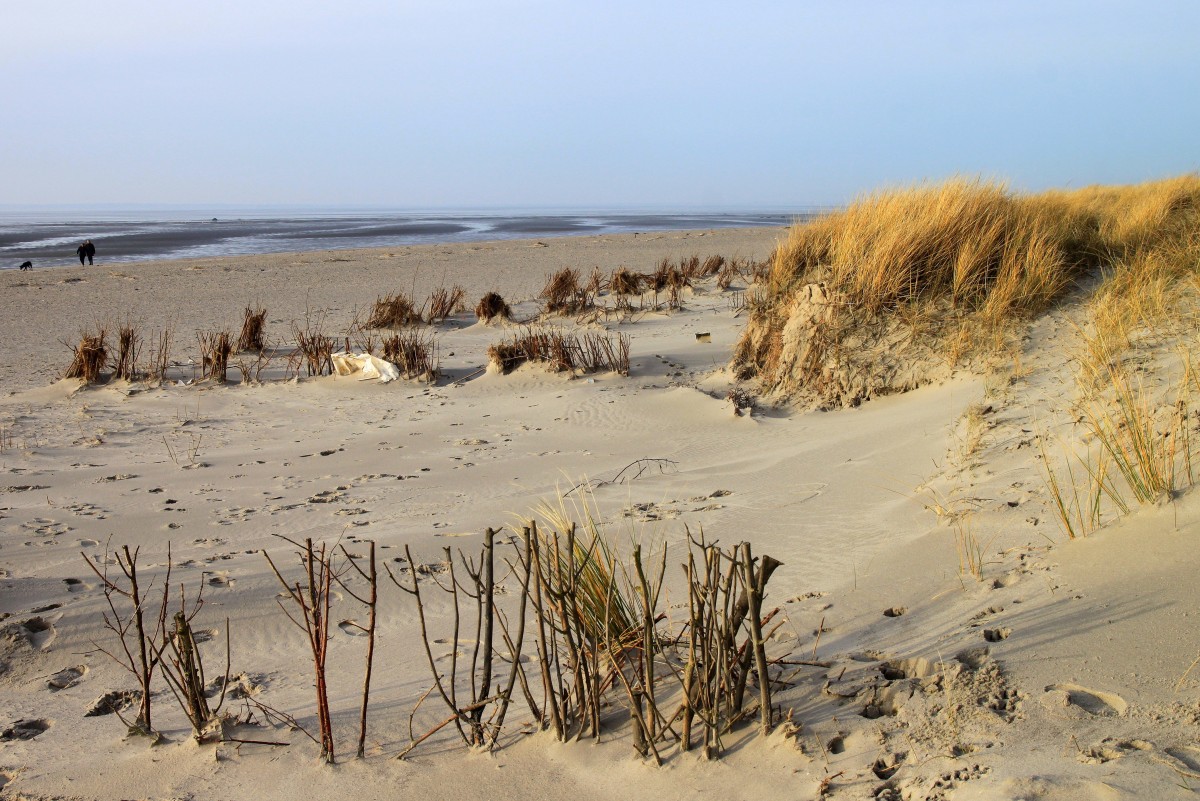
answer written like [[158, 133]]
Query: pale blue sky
[[529, 103]]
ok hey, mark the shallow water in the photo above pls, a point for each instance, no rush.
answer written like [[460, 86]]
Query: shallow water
[[49, 238]]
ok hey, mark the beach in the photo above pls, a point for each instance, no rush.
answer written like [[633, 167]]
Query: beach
[[1059, 669]]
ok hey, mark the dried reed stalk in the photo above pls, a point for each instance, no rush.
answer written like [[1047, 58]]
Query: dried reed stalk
[[562, 351], [252, 337], [161, 358], [626, 282], [316, 349], [565, 294], [129, 343], [444, 302], [90, 356], [413, 353], [394, 310], [215, 348]]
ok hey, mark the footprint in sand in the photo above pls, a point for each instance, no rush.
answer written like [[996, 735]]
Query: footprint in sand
[[895, 611], [67, 677], [76, 585], [1188, 755], [37, 632], [204, 635], [353, 628], [112, 702], [25, 729], [1076, 701], [997, 634], [220, 578], [7, 775]]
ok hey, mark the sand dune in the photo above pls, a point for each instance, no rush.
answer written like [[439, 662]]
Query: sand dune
[[1058, 674]]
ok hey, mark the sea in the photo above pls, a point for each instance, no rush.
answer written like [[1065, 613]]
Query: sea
[[49, 237]]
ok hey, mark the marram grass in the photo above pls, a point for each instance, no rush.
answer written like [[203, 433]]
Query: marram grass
[[966, 258]]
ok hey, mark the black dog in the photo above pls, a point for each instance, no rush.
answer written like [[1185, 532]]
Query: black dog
[[27, 265]]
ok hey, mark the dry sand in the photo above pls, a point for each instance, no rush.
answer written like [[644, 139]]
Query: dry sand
[[1059, 675]]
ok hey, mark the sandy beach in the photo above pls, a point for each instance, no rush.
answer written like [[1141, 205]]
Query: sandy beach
[[1062, 671]]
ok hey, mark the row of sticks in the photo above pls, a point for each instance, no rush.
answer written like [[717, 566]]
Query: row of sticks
[[587, 641]]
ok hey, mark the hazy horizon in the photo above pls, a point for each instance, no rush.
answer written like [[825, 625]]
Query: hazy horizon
[[531, 104]]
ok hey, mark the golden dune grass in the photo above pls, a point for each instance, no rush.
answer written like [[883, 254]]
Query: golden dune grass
[[959, 260]]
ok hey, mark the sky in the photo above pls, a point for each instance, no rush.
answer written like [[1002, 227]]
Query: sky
[[572, 104]]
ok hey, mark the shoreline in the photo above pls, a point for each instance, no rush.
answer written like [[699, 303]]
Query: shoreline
[[123, 242]]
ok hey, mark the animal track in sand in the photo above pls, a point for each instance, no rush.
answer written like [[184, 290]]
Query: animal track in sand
[[234, 514], [1094, 702], [87, 510], [1007, 580], [991, 610], [1109, 749], [895, 611], [997, 634], [45, 527], [76, 585]]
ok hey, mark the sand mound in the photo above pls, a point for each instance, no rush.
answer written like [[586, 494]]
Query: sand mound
[[827, 353]]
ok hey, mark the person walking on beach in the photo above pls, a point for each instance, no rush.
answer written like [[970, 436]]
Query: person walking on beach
[[86, 250]]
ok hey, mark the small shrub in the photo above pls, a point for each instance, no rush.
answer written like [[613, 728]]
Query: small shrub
[[564, 294], [129, 342], [595, 282], [492, 306], [415, 355], [562, 351], [444, 302], [394, 310], [253, 328], [91, 354], [712, 265], [668, 276], [729, 272], [626, 282], [161, 358], [315, 349], [215, 347]]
